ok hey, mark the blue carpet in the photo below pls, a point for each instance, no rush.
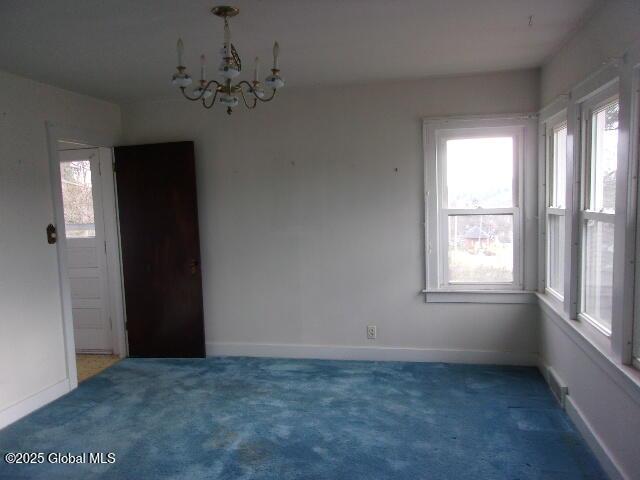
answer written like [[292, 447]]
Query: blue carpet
[[247, 418]]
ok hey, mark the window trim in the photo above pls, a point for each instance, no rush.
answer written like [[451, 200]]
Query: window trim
[[434, 130], [629, 324]]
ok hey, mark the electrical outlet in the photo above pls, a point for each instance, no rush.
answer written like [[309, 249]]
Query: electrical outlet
[[371, 332]]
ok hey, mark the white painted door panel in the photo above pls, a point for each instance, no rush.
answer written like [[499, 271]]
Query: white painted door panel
[[87, 266]]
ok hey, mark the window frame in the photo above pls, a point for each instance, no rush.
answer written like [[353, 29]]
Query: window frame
[[436, 132], [587, 108], [554, 123]]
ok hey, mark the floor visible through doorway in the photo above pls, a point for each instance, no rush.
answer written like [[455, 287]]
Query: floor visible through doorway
[[90, 365]]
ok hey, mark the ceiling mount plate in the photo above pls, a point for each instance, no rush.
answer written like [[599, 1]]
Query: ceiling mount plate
[[225, 11]]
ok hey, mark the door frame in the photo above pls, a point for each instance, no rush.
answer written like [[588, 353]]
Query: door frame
[[104, 143]]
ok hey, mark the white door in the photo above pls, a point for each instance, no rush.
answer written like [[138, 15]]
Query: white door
[[86, 249]]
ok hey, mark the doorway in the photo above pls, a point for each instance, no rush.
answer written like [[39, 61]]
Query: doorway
[[93, 306], [88, 250]]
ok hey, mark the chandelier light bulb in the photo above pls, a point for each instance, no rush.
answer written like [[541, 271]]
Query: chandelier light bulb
[[180, 49], [256, 70], [276, 53]]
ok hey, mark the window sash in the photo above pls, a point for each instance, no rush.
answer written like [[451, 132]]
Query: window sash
[[516, 133], [552, 163], [443, 249], [587, 199], [588, 164], [554, 212], [552, 208], [599, 217]]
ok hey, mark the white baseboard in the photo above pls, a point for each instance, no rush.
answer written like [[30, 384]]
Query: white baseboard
[[332, 352], [601, 452], [598, 448], [34, 402]]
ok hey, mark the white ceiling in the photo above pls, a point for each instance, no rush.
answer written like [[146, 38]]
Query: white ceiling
[[124, 50]]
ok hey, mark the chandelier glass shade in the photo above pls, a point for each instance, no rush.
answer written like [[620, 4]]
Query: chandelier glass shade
[[226, 92]]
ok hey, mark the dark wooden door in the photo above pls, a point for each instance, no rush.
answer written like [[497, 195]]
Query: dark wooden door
[[158, 215]]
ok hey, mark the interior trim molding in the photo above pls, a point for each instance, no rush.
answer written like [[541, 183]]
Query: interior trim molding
[[599, 449], [487, 296], [32, 403], [377, 353]]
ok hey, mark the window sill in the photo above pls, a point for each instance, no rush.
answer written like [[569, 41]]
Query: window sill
[[595, 345], [479, 296]]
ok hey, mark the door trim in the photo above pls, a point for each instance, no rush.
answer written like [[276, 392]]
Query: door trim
[[104, 144]]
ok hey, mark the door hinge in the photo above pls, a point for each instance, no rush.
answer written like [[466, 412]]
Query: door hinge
[[99, 168], [105, 247], [110, 324]]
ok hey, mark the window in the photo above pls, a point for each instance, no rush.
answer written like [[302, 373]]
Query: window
[[597, 214], [474, 223], [556, 199], [77, 199]]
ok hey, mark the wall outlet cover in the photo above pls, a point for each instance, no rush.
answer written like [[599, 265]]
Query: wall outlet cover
[[371, 332]]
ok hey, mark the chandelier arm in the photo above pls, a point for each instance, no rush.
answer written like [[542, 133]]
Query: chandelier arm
[[186, 95], [213, 82], [213, 100], [264, 100], [244, 99], [199, 97], [251, 90]]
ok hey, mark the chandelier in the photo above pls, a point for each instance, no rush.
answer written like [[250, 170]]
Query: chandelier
[[228, 93]]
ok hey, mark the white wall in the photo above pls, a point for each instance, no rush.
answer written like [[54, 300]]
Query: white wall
[[598, 395], [308, 232], [607, 33], [32, 356], [597, 399]]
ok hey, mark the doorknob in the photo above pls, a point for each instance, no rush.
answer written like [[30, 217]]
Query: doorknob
[[194, 264], [52, 234]]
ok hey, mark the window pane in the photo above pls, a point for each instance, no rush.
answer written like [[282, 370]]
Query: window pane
[[597, 276], [480, 248], [77, 199], [604, 158], [558, 180], [555, 253], [480, 172]]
